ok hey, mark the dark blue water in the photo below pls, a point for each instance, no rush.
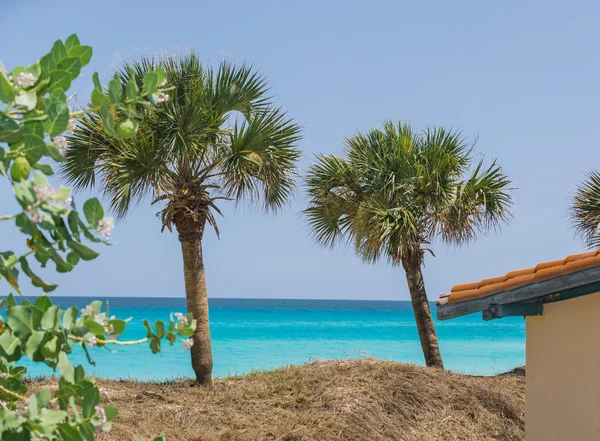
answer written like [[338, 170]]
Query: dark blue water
[[251, 334]]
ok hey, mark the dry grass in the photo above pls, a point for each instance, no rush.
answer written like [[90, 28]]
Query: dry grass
[[356, 400]]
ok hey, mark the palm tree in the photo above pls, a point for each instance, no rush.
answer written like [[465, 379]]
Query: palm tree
[[394, 192], [217, 137], [585, 209]]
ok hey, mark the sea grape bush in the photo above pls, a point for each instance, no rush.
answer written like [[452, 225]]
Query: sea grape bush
[[34, 118]]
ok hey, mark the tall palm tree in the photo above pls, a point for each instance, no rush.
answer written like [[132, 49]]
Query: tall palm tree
[[394, 192], [217, 137], [585, 209]]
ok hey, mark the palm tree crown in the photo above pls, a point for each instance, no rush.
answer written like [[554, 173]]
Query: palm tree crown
[[585, 209], [217, 137], [397, 190]]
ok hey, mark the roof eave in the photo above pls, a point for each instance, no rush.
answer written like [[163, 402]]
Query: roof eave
[[526, 293]]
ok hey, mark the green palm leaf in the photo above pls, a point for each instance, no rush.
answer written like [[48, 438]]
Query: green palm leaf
[[398, 190], [187, 148], [585, 209]]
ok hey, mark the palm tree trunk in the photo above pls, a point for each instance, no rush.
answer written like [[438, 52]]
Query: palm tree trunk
[[190, 236], [429, 342]]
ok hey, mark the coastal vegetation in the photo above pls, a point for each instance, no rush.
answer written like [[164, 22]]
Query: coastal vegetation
[[585, 210], [216, 136], [395, 191], [191, 136], [338, 400], [34, 116]]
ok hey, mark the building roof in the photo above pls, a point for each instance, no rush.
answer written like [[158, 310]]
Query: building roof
[[515, 279], [521, 285]]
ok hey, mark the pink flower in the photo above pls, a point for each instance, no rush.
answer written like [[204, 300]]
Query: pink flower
[[106, 226], [61, 142], [44, 192], [100, 414], [25, 79]]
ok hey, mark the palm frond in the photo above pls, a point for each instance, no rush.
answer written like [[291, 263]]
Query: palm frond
[[398, 189], [259, 159], [334, 193], [185, 155], [585, 209], [478, 205]]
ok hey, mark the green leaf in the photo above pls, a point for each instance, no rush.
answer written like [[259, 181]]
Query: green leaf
[[9, 343], [58, 118], [44, 168], [69, 433], [24, 193], [42, 302], [96, 81], [24, 224], [33, 144], [61, 79], [71, 42], [127, 128], [93, 211], [47, 63], [155, 345], [160, 328], [79, 373], [96, 306], [89, 236], [51, 318], [111, 412], [62, 193], [7, 93], [58, 95], [20, 320], [59, 52], [27, 99], [55, 153], [115, 91], [150, 83], [69, 318], [84, 53], [73, 258], [33, 346], [91, 399], [65, 367], [61, 265], [94, 327], [10, 131], [35, 280], [50, 348], [87, 430], [84, 252], [118, 326], [52, 417], [71, 65], [39, 179], [98, 99], [132, 90], [186, 332], [150, 333], [19, 372]]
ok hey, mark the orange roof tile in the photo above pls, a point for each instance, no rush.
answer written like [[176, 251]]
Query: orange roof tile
[[517, 279]]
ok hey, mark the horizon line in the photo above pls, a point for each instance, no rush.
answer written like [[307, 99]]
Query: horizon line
[[227, 298]]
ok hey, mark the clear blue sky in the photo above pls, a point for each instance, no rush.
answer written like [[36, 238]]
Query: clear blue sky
[[521, 76]]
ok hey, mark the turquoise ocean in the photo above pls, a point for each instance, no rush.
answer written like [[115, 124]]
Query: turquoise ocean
[[258, 334]]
